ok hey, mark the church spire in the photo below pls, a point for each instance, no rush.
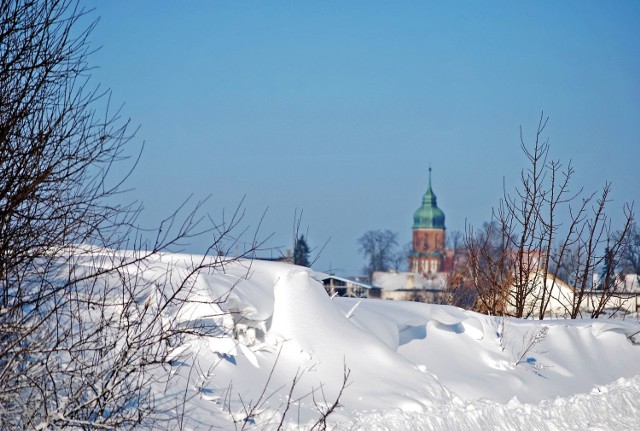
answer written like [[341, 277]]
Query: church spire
[[428, 252], [429, 215]]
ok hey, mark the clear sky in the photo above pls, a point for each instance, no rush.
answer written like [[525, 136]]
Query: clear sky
[[338, 108]]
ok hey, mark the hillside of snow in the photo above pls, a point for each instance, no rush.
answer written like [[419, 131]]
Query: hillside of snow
[[277, 345]]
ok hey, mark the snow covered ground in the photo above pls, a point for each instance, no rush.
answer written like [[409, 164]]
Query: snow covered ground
[[279, 345]]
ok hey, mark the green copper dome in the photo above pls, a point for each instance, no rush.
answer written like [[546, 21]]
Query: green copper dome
[[428, 216]]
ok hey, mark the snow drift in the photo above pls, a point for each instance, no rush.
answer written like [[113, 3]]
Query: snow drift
[[276, 350]]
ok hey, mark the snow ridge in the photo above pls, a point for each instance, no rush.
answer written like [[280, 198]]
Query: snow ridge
[[610, 407]]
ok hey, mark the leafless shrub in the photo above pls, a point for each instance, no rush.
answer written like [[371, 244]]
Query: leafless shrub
[[529, 343], [490, 266], [324, 408], [253, 409], [541, 230], [80, 326], [84, 332]]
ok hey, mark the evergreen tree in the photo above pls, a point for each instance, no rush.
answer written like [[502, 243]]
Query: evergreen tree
[[301, 252], [607, 271], [631, 254]]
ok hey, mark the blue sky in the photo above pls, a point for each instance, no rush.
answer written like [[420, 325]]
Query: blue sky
[[339, 108]]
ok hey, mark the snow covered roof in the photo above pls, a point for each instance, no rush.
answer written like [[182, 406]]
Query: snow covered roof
[[349, 281], [409, 280]]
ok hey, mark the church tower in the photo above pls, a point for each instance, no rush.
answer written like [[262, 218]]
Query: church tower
[[427, 254]]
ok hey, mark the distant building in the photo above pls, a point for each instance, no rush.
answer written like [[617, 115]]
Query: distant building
[[408, 286], [623, 300], [430, 263], [341, 286], [428, 251], [433, 267]]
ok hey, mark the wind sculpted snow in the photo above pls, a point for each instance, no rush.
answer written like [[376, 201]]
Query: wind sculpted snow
[[270, 326]]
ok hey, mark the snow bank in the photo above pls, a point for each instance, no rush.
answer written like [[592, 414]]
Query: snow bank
[[411, 365]]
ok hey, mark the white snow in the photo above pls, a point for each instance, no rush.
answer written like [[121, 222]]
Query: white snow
[[411, 365]]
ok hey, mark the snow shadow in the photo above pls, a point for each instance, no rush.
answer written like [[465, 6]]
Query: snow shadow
[[456, 328], [410, 333]]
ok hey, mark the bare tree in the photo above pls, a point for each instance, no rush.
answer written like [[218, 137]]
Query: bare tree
[[79, 326], [378, 247], [455, 240], [544, 228], [56, 152], [489, 263], [458, 290], [84, 332], [400, 258], [603, 248]]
